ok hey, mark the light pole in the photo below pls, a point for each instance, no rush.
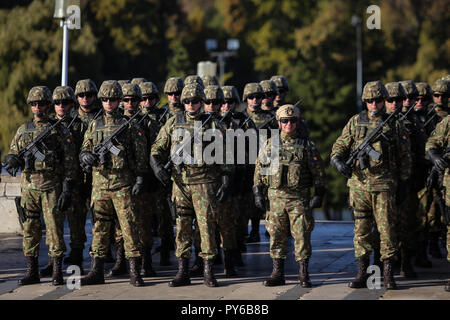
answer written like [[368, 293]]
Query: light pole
[[232, 48], [60, 13], [356, 22]]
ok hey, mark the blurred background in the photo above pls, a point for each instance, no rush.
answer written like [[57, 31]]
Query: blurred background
[[313, 43]]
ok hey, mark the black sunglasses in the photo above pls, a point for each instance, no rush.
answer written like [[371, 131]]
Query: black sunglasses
[[390, 100], [270, 95], [151, 97], [213, 101], [286, 120], [130, 99], [376, 100], [174, 93], [87, 95], [110, 99], [230, 101], [39, 103], [63, 102], [193, 101], [438, 95], [254, 96]]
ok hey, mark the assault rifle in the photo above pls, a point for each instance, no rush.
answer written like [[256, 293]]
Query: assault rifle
[[31, 151], [365, 148], [435, 180], [108, 146]]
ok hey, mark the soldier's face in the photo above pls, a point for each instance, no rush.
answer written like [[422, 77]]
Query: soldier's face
[[86, 99], [192, 105], [63, 107], [288, 125], [374, 105], [174, 97], [227, 106], [409, 101], [254, 100], [211, 106], [149, 101], [440, 98], [421, 101], [110, 104], [130, 103], [39, 108], [281, 94]]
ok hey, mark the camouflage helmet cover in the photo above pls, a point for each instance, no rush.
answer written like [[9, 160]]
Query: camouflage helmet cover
[[193, 90], [410, 87], [446, 77], [210, 81], [110, 89], [122, 82], [269, 86], [287, 111], [395, 90], [214, 92], [230, 92], [39, 93], [138, 80], [148, 88], [424, 89], [251, 88], [133, 90], [442, 86], [85, 86], [64, 93], [174, 84], [281, 82], [374, 90], [193, 79]]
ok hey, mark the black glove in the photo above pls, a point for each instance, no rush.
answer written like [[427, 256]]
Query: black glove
[[340, 165], [259, 198], [316, 201], [432, 180], [138, 186], [223, 191], [87, 158], [12, 163], [437, 160], [160, 172], [65, 197]]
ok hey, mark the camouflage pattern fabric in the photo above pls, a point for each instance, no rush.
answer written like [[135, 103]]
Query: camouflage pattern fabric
[[85, 86]]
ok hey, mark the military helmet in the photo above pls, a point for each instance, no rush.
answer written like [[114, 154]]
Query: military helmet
[[40, 93], [269, 86], [230, 92], [395, 90], [214, 93], [110, 89], [410, 87], [133, 90], [194, 79], [374, 90], [424, 89], [446, 77], [122, 82], [64, 93], [287, 111], [148, 88], [281, 82], [174, 84], [210, 81], [442, 86], [193, 90], [85, 86], [138, 81], [251, 88]]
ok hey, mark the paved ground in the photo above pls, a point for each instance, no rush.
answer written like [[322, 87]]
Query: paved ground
[[332, 266]]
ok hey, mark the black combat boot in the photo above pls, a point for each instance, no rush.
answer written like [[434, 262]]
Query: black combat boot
[[57, 276], [277, 276], [407, 269], [303, 274], [147, 269], [254, 233], [75, 256], [164, 253], [197, 268], [435, 251], [208, 276], [135, 275], [447, 287], [182, 276], [32, 273], [362, 276], [388, 275], [96, 275], [229, 263], [421, 256], [120, 267], [47, 271]]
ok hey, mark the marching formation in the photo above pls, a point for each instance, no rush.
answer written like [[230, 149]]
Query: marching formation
[[138, 170]]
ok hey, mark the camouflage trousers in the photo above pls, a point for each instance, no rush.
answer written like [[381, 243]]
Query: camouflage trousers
[[106, 203], [409, 228], [76, 217], [196, 201], [294, 215], [447, 204], [429, 201], [34, 202], [369, 208]]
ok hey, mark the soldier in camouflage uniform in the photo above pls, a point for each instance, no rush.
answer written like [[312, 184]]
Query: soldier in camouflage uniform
[[46, 185], [158, 196], [270, 91], [253, 95], [283, 89], [196, 188], [172, 89], [86, 93], [210, 81], [116, 180], [436, 146], [424, 108], [371, 195], [299, 168]]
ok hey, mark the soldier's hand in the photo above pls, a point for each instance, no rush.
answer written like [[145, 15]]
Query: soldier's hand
[[138, 186], [437, 160], [340, 165], [160, 172], [88, 158], [259, 198], [12, 162], [432, 180], [316, 201], [65, 197], [223, 191]]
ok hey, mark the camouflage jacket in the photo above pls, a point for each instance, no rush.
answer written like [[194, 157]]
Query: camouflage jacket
[[117, 171], [87, 117], [395, 160], [167, 142], [259, 117], [60, 155], [295, 167], [439, 140], [434, 115]]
